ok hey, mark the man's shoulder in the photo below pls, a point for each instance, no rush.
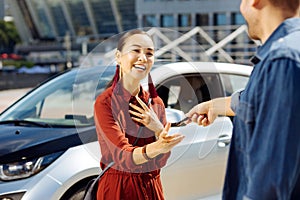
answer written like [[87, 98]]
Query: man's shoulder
[[286, 47]]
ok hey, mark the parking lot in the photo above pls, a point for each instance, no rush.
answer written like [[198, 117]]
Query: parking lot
[[7, 97]]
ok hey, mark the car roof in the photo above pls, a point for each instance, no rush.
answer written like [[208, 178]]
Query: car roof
[[162, 72]]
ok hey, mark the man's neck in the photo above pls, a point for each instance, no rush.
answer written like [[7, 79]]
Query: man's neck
[[271, 19]]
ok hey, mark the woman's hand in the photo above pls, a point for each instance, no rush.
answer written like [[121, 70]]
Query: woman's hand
[[146, 116], [166, 142]]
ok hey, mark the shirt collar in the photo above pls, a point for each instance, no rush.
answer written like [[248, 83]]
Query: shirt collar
[[286, 27], [119, 90]]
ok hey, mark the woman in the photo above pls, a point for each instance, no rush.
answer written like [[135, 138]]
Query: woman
[[130, 126]]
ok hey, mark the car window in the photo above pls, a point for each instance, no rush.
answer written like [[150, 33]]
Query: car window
[[182, 92], [233, 82], [66, 100]]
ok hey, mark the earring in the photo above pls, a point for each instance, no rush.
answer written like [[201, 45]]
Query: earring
[[152, 89], [116, 76]]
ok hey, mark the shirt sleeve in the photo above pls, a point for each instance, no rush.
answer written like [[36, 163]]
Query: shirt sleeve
[[235, 99], [273, 147]]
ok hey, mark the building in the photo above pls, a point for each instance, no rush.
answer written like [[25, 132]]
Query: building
[[2, 10], [188, 13], [46, 20], [67, 25]]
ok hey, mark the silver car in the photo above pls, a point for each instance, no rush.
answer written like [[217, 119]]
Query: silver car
[[48, 143]]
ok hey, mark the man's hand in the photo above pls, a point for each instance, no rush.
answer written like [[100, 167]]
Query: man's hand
[[202, 114]]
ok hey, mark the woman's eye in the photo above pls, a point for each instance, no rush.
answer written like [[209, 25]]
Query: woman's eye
[[136, 50], [150, 54]]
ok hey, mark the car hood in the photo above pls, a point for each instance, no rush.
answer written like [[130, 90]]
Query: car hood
[[17, 142]]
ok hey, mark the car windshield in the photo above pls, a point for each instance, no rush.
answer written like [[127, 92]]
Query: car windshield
[[65, 101]]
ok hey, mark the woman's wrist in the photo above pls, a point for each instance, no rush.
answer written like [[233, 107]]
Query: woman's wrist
[[144, 152], [152, 150], [158, 131]]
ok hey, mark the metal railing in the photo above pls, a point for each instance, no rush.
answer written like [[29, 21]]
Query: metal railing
[[211, 43]]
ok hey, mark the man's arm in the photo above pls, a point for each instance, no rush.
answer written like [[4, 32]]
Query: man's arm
[[205, 113]]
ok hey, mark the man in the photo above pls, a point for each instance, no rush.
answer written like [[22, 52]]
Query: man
[[264, 158]]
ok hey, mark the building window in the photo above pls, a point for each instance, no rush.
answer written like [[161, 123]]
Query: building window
[[167, 20], [149, 21], [79, 17], [57, 11], [127, 12], [237, 19], [46, 31], [202, 20], [184, 20], [220, 19], [104, 18]]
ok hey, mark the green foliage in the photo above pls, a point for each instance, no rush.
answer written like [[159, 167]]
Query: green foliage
[[9, 36], [18, 63]]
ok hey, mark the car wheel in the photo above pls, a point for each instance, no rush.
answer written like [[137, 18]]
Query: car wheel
[[78, 195], [76, 192]]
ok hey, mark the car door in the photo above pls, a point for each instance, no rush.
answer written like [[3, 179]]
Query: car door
[[197, 165]]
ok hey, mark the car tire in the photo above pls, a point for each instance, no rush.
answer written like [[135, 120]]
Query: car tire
[[76, 192], [78, 195]]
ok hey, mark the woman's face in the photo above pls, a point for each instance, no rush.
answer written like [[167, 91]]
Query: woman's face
[[137, 57]]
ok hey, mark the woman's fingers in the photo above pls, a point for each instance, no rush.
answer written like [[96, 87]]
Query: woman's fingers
[[137, 114], [173, 138], [141, 118], [136, 108], [144, 106], [167, 127]]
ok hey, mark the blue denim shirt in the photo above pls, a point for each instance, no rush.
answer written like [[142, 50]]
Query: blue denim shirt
[[264, 158]]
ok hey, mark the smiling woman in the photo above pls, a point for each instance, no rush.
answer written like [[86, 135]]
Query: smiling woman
[[130, 125]]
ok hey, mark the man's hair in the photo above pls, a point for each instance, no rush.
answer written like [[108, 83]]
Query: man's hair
[[291, 5]]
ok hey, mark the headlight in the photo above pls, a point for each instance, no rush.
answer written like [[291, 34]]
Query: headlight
[[26, 167]]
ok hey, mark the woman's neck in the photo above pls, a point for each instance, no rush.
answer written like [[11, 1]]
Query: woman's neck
[[133, 87]]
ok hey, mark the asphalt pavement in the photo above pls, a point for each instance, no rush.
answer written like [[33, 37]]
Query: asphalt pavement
[[8, 97]]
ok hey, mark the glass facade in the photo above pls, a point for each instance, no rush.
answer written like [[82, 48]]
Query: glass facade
[[167, 20], [220, 19], [52, 19], [127, 12], [149, 21], [202, 20], [237, 19], [103, 15], [79, 17], [57, 11], [184, 20], [44, 24]]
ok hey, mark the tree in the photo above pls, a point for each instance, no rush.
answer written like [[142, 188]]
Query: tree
[[9, 37]]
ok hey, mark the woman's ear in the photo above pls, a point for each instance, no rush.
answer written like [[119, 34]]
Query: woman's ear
[[258, 3], [118, 56]]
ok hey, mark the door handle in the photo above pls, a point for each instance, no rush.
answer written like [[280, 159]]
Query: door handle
[[224, 140]]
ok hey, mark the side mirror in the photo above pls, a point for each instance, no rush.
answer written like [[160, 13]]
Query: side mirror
[[174, 115]]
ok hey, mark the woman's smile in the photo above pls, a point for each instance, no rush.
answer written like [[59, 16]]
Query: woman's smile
[[140, 67]]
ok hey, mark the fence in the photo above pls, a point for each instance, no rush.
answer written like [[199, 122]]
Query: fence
[[207, 43]]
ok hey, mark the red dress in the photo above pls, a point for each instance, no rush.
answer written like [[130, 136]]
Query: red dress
[[116, 133]]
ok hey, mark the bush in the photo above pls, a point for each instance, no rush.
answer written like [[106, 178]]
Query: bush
[[18, 63]]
